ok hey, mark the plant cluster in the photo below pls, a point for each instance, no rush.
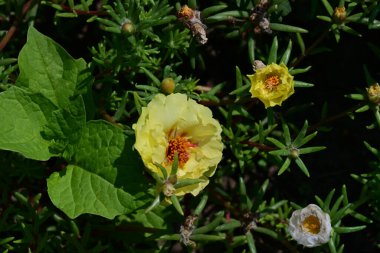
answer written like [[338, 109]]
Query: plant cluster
[[185, 126]]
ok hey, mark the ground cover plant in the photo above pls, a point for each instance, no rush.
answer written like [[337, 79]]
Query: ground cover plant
[[189, 126]]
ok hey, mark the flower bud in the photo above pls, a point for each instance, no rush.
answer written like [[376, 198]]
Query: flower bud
[[168, 85], [374, 93], [127, 27], [340, 14], [294, 153]]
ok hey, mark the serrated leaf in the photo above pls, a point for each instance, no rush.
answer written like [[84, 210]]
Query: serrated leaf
[[104, 150], [76, 191], [103, 157], [46, 68], [23, 116], [65, 126]]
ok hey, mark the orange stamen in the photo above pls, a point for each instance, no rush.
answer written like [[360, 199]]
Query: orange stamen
[[186, 12], [271, 82], [181, 146], [312, 225]]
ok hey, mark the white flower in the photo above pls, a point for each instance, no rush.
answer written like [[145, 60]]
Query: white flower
[[310, 226]]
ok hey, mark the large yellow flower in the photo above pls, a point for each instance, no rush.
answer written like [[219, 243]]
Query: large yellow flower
[[175, 124], [272, 84]]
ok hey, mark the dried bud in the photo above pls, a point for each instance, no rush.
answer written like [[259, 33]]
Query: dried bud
[[374, 93], [249, 222], [192, 20], [186, 12], [187, 229], [259, 18], [168, 189], [257, 64], [168, 85]]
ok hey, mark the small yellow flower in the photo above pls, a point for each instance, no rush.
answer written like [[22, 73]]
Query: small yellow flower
[[374, 93], [175, 124], [272, 84], [310, 226], [340, 14]]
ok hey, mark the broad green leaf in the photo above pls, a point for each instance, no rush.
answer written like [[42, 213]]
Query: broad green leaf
[[281, 6], [76, 191], [46, 68], [103, 149], [103, 158], [23, 117], [66, 126], [152, 219]]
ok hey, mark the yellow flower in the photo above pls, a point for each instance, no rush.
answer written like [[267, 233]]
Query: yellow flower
[[374, 93], [340, 14], [272, 84], [175, 124]]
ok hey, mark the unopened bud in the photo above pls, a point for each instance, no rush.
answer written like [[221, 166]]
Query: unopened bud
[[294, 153], [127, 27], [340, 14], [374, 93], [168, 85]]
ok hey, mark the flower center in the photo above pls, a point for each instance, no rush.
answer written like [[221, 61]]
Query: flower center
[[186, 12], [312, 225], [181, 146], [272, 81]]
